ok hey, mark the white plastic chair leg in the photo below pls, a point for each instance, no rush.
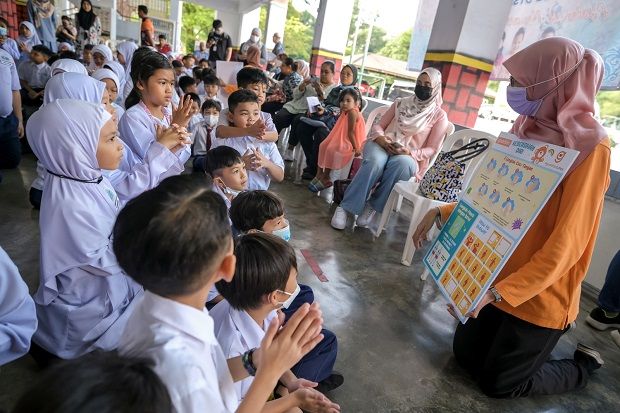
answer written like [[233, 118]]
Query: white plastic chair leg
[[425, 274], [410, 249], [399, 204], [387, 209]]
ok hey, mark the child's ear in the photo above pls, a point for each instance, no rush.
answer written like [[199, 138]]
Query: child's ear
[[229, 116], [227, 268], [219, 182]]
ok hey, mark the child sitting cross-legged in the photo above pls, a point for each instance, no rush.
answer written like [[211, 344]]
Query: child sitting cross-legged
[[265, 281], [261, 158], [175, 240]]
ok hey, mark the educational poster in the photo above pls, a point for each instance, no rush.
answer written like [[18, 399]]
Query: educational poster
[[511, 185], [227, 71]]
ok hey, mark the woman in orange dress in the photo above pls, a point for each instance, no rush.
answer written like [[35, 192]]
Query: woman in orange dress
[[344, 141]]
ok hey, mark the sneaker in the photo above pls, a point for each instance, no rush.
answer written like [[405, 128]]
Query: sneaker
[[339, 220], [616, 336], [364, 219], [588, 357], [599, 319], [289, 155], [334, 381]]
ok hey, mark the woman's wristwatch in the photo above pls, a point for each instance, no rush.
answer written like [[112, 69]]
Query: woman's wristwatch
[[496, 294]]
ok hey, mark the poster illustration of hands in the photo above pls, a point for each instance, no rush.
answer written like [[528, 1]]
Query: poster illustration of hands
[[513, 182]]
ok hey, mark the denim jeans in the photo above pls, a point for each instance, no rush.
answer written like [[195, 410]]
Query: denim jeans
[[609, 298], [377, 166]]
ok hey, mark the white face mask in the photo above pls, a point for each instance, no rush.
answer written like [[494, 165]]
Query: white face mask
[[290, 299], [254, 38], [211, 120]]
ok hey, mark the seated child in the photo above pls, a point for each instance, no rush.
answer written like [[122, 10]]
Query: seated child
[[87, 55], [343, 142], [99, 382], [263, 211], [204, 133], [226, 168], [18, 316], [101, 54], [175, 240], [197, 74], [34, 74], [67, 65], [265, 281], [261, 158], [112, 85], [187, 84], [211, 87], [196, 118], [188, 63], [27, 39]]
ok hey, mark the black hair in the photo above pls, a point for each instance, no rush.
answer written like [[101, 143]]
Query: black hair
[[264, 264], [197, 72], [250, 76], [354, 92], [250, 210], [330, 64], [162, 36], [210, 79], [203, 60], [211, 103], [171, 238], [220, 158], [176, 64], [186, 81], [143, 9], [240, 96], [189, 56], [43, 50], [290, 62], [193, 97], [217, 23], [65, 18], [143, 66], [68, 54], [89, 47], [97, 382]]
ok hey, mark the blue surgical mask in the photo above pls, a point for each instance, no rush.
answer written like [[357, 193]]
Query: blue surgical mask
[[518, 101], [286, 304], [3, 31], [284, 233]]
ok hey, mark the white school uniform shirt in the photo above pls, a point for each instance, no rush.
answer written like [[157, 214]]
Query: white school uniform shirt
[[256, 179], [188, 359], [194, 122], [18, 316], [137, 130], [9, 82], [36, 75], [199, 138], [237, 333]]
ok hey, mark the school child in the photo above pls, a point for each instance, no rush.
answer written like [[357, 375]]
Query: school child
[[101, 54], [265, 281], [226, 168], [185, 246], [187, 84], [6, 43], [99, 382], [188, 63], [343, 142], [34, 74], [196, 118], [133, 68], [261, 158], [204, 133], [263, 211], [11, 121], [124, 53], [27, 39], [210, 88], [87, 55], [119, 71], [67, 65], [179, 70], [197, 74], [84, 298], [18, 317], [112, 85], [147, 105], [264, 129]]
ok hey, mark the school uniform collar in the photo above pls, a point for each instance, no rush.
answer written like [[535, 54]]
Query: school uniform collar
[[252, 333], [184, 318]]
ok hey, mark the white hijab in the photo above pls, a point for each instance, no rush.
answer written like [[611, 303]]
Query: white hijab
[[79, 206], [103, 50], [73, 86], [68, 65], [412, 114], [101, 74], [119, 70], [127, 49]]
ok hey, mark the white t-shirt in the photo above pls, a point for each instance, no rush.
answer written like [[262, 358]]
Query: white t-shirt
[[36, 75], [188, 359], [9, 81]]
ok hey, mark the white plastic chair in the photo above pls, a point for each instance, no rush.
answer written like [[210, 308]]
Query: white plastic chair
[[421, 204]]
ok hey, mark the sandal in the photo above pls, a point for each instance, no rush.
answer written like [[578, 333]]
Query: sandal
[[316, 185]]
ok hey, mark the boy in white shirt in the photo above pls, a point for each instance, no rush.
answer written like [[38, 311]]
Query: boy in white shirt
[[34, 74], [265, 281], [175, 241], [261, 158], [204, 133]]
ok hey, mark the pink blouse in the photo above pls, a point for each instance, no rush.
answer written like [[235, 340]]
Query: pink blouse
[[424, 144]]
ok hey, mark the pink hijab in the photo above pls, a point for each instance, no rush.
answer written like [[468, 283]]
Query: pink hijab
[[253, 57], [566, 116]]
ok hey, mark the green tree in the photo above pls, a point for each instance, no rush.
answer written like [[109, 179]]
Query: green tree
[[196, 24], [298, 33], [398, 47], [377, 40]]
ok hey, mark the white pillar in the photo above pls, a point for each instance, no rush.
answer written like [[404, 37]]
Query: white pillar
[[276, 20], [176, 15], [113, 17]]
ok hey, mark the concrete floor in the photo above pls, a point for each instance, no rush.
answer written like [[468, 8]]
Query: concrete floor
[[394, 332]]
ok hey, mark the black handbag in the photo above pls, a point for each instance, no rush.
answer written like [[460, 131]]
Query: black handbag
[[444, 180]]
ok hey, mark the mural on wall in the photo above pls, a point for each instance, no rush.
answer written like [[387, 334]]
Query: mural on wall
[[593, 23]]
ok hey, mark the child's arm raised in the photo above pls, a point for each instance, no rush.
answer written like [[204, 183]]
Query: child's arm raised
[[353, 114], [271, 133], [257, 130]]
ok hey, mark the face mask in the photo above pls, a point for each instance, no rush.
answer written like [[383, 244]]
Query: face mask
[[3, 31], [211, 120], [518, 101], [284, 233], [219, 30], [254, 38], [423, 92], [286, 304]]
